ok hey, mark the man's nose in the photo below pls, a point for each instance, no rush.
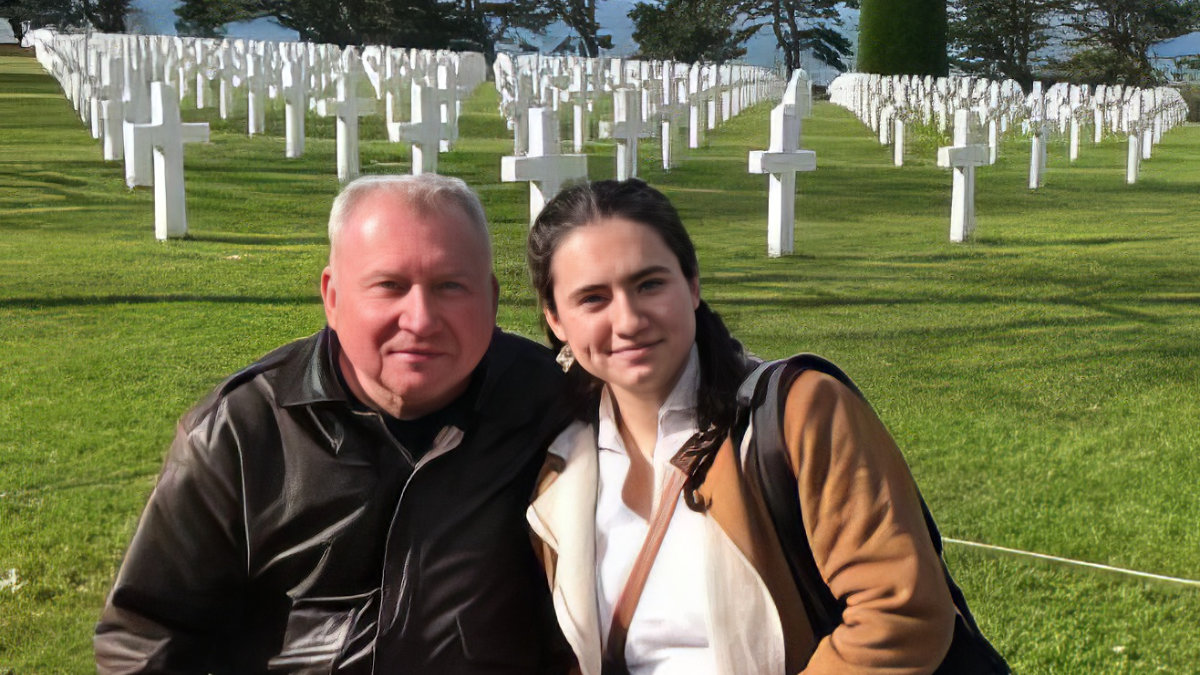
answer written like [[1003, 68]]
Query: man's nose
[[419, 314]]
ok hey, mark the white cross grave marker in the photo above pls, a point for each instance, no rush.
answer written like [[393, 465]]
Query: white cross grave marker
[[166, 135], [1037, 155], [424, 132], [544, 168], [626, 130], [963, 157], [782, 161], [295, 96], [347, 107]]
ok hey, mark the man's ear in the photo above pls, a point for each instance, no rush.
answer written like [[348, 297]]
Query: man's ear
[[553, 322], [329, 297]]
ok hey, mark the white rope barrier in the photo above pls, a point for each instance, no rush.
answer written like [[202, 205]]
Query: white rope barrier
[[1081, 563]]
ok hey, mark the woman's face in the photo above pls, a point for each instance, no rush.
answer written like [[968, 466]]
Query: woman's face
[[624, 306]]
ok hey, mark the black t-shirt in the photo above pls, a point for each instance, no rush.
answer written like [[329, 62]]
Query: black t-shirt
[[417, 435]]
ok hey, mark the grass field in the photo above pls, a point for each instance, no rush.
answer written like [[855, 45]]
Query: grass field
[[1042, 380]]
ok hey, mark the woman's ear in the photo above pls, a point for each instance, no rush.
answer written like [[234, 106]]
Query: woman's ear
[[694, 287], [552, 321]]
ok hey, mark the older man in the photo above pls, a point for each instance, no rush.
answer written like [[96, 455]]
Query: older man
[[354, 501]]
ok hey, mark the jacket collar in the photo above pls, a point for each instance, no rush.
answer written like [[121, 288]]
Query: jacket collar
[[311, 376]]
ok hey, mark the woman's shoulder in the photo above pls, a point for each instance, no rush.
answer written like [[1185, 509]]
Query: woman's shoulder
[[821, 395], [578, 437]]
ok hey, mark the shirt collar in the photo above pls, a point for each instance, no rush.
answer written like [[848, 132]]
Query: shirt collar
[[678, 412]]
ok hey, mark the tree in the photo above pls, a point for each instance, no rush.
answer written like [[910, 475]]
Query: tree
[[1116, 35], [803, 25], [206, 18], [689, 30], [1000, 38], [580, 16], [426, 24], [62, 14], [107, 16], [903, 37], [482, 22]]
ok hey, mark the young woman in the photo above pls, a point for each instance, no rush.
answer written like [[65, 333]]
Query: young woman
[[656, 370]]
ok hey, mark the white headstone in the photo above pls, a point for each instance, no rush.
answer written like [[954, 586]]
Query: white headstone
[[627, 128], [1037, 154], [347, 107], [423, 131], [962, 157], [544, 168], [295, 96], [782, 161], [166, 135]]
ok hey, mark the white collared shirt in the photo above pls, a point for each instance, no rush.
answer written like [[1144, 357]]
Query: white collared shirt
[[669, 633]]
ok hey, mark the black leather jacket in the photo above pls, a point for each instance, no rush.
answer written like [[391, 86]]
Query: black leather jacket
[[290, 533]]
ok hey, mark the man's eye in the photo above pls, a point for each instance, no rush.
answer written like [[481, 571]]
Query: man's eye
[[650, 284], [451, 286], [593, 299]]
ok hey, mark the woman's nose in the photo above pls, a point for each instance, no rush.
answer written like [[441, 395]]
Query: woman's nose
[[627, 315]]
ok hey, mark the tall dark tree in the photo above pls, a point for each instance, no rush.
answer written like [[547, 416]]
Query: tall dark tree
[[107, 16], [427, 24], [1115, 36], [62, 14], [1000, 38], [580, 16], [803, 25], [690, 30], [902, 37], [483, 22]]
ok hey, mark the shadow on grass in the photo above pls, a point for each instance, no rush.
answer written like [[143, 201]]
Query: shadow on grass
[[1023, 242], [97, 300], [259, 239]]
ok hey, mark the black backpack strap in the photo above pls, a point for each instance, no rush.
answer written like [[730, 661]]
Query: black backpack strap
[[767, 460], [762, 396]]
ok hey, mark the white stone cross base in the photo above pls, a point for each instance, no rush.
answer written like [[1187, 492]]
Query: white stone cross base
[[1133, 158], [1037, 157]]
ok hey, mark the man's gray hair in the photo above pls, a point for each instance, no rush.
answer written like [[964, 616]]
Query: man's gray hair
[[427, 193]]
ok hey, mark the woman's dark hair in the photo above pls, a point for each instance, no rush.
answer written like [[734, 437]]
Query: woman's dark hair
[[722, 360]]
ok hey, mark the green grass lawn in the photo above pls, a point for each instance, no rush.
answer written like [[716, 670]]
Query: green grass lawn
[[1042, 380]]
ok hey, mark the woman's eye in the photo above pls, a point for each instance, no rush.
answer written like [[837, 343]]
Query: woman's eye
[[650, 284]]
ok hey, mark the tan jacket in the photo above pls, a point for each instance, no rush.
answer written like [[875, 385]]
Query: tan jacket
[[863, 520]]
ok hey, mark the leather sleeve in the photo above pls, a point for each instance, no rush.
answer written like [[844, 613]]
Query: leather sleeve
[[868, 535], [179, 587]]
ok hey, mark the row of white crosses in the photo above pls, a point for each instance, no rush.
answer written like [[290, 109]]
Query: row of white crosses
[[886, 103], [120, 86], [650, 98], [879, 101]]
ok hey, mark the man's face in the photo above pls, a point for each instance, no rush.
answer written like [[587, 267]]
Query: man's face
[[413, 300]]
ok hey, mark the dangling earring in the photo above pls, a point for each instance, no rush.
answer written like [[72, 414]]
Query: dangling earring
[[565, 358]]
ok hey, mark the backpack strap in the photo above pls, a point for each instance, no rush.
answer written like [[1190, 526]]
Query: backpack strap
[[761, 398]]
